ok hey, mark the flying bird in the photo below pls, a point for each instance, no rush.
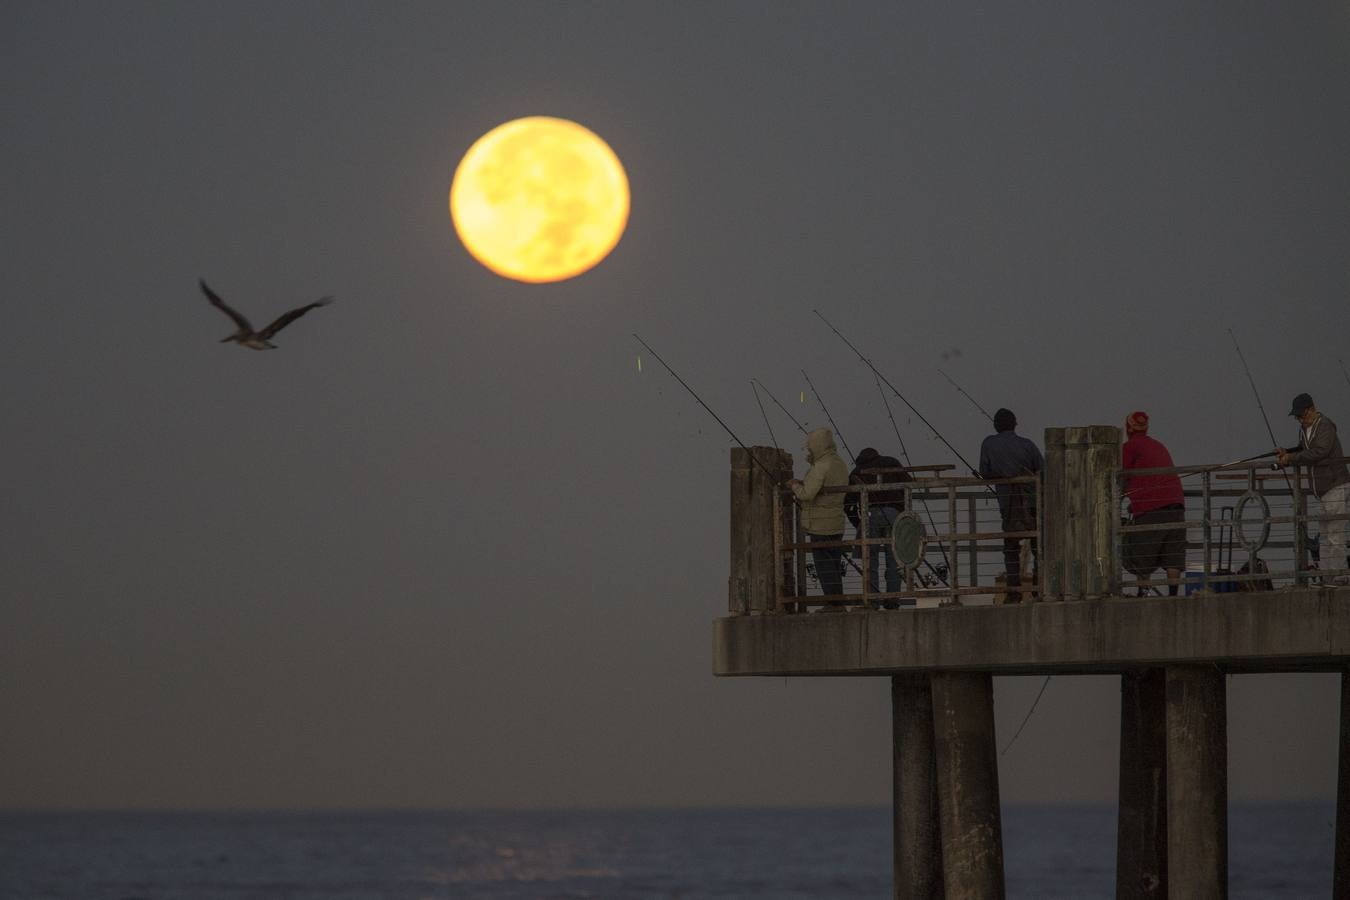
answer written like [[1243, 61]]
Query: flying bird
[[258, 340]]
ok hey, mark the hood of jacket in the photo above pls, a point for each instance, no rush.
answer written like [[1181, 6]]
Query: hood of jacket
[[819, 444]]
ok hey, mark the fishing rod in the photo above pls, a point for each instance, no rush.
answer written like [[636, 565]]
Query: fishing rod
[[769, 394], [774, 478], [826, 410], [947, 565], [982, 410], [897, 393], [1255, 392], [1300, 528], [724, 425], [760, 404], [1261, 406]]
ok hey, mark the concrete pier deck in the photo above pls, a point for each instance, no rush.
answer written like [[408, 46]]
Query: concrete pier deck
[[1285, 630]]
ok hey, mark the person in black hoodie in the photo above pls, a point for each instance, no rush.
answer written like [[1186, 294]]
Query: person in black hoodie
[[882, 509]]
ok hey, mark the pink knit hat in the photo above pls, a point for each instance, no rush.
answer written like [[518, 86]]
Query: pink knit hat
[[1136, 423]]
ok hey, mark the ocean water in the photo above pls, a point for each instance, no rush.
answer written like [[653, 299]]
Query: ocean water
[[1282, 851]]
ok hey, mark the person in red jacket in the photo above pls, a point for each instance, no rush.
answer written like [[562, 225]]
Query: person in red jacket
[[1154, 499]]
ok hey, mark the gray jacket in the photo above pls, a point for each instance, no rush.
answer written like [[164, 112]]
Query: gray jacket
[[1324, 446]]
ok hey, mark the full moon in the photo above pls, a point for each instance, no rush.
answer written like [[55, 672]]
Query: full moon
[[539, 199]]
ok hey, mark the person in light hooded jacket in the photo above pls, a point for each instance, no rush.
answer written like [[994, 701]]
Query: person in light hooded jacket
[[823, 514]]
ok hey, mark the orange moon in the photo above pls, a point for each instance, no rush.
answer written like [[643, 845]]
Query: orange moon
[[539, 199]]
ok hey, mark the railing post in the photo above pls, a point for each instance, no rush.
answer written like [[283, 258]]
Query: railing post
[[1080, 556], [752, 584], [1300, 531], [953, 569], [973, 547], [1052, 518], [865, 529], [1205, 524]]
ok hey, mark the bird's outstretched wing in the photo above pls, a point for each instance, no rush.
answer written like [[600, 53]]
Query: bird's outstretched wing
[[287, 318], [220, 305]]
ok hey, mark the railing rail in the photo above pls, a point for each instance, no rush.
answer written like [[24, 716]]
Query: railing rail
[[1274, 545], [962, 525], [1247, 528]]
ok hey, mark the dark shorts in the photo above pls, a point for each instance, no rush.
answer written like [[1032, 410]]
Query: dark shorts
[[1148, 551]]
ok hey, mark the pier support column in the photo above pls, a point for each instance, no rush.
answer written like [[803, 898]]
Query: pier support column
[[1080, 547], [967, 768], [1141, 833], [917, 830], [1341, 888], [755, 572], [1197, 783]]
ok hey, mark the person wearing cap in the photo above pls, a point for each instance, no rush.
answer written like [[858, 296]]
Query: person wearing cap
[[1319, 447], [883, 507], [1006, 454], [1154, 500], [823, 513]]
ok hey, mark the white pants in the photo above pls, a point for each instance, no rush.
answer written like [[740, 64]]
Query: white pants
[[1335, 502]]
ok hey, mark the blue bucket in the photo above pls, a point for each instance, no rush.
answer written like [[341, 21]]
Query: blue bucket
[[1218, 584]]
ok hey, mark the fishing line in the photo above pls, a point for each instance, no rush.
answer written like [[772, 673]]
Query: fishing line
[[1044, 684]]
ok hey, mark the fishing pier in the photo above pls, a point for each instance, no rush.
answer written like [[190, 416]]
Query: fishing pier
[[944, 625]]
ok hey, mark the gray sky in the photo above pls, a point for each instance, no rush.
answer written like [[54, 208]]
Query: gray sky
[[447, 547]]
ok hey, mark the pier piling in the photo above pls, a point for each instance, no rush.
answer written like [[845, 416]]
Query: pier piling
[[967, 767], [1197, 783], [917, 829], [1141, 833]]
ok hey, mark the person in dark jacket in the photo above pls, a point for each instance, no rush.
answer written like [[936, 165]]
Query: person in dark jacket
[[1154, 499], [882, 509], [1319, 447], [1006, 454]]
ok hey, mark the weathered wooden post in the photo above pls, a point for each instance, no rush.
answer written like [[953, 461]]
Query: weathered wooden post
[[1141, 833], [967, 768], [1197, 783], [914, 797], [1080, 553], [752, 584]]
